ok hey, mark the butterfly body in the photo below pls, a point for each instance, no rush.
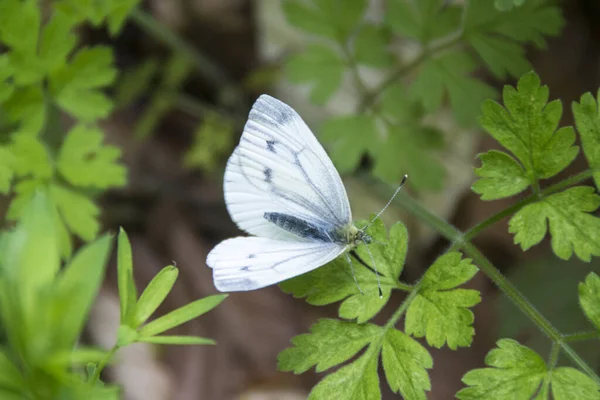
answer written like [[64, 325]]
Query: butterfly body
[[281, 187]]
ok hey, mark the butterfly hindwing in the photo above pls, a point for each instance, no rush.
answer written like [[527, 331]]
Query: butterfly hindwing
[[248, 263]]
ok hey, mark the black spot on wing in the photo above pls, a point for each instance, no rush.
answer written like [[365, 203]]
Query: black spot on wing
[[245, 268], [268, 175], [271, 146], [251, 255]]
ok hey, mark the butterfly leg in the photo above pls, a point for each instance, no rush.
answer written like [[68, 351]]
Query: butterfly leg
[[353, 274]]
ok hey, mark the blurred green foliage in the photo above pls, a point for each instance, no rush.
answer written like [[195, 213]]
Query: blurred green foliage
[[453, 41]]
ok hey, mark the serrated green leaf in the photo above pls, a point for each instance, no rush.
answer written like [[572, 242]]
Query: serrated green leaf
[[125, 279], [7, 161], [80, 10], [154, 294], [182, 315], [20, 24], [370, 46], [76, 289], [331, 18], [334, 281], [440, 312], [329, 343], [405, 363], [118, 14], [356, 381], [587, 119], [527, 126], [450, 73], [572, 227], [57, 41], [85, 161], [515, 372], [78, 211], [31, 158], [528, 23], [76, 87], [569, 383], [503, 57], [498, 33], [26, 106], [321, 67], [501, 176], [182, 340], [349, 138], [589, 298], [423, 20]]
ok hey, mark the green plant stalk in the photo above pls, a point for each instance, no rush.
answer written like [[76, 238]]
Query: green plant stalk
[[94, 379], [554, 354], [581, 336], [477, 229]]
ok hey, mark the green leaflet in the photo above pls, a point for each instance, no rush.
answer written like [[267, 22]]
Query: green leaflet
[[589, 298], [517, 372], [572, 226], [501, 176], [587, 119], [333, 342], [321, 67], [440, 312], [527, 126]]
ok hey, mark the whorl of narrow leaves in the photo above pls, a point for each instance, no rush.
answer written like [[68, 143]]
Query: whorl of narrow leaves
[[517, 372]]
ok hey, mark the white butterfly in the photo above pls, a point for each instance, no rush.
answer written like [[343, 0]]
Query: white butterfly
[[281, 187]]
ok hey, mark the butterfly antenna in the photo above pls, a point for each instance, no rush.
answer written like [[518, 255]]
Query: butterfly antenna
[[353, 274], [375, 268], [404, 178]]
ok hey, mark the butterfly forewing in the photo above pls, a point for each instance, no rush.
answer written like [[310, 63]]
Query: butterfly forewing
[[279, 166]]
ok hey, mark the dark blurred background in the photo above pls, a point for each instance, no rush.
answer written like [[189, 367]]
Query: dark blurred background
[[176, 214]]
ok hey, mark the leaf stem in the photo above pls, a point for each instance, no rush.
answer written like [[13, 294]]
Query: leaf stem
[[402, 309], [554, 354], [480, 227], [581, 336], [102, 364], [405, 287]]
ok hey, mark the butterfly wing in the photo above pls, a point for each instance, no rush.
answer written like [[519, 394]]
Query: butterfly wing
[[279, 166], [248, 263]]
